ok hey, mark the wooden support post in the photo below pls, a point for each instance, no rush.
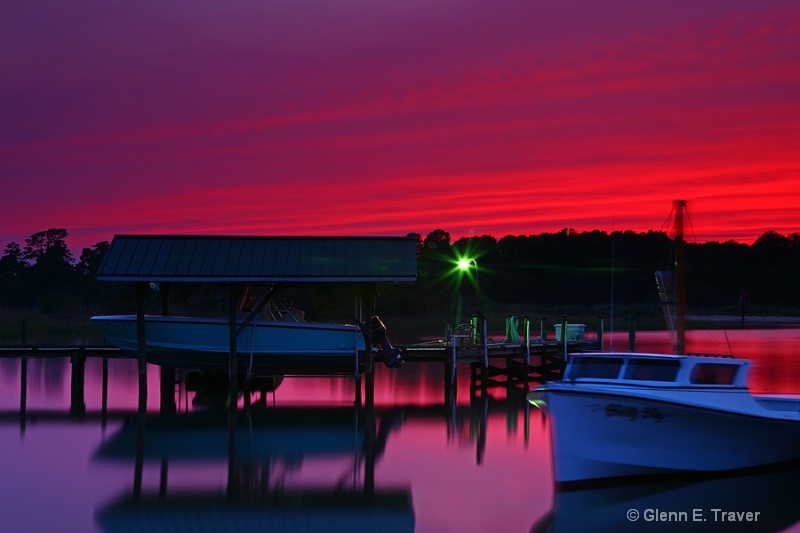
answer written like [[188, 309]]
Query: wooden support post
[[141, 341], [527, 323], [168, 406], [369, 388], [543, 328], [358, 399], [371, 291], [233, 364], [600, 327], [78, 401], [453, 356], [484, 343], [632, 334], [369, 383], [141, 344], [233, 392]]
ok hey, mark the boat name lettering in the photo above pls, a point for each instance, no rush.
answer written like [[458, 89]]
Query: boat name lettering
[[628, 411]]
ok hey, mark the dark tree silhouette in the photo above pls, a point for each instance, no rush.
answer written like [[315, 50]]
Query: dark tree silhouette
[[535, 271]]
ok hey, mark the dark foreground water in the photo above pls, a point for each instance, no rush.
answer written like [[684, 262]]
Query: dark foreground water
[[302, 459]]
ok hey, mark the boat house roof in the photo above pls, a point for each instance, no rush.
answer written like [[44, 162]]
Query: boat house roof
[[193, 258]]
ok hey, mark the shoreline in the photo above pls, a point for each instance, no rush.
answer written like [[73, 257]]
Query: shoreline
[[749, 320]]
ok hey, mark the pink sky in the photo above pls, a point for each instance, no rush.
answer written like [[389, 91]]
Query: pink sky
[[364, 117]]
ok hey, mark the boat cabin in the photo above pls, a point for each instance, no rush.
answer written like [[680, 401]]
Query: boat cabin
[[658, 370]]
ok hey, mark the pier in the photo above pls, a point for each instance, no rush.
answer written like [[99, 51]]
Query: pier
[[513, 362], [510, 363], [27, 351]]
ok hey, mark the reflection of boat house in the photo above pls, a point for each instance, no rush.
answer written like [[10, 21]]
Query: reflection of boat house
[[262, 494], [235, 261]]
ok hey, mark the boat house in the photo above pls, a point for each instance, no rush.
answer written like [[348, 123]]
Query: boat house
[[239, 260]]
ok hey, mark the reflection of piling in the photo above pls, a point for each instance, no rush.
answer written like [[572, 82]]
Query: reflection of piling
[[104, 408], [369, 447], [138, 468], [23, 393]]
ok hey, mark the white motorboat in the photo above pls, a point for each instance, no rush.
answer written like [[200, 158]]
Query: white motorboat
[[179, 341], [204, 343], [616, 415], [270, 335]]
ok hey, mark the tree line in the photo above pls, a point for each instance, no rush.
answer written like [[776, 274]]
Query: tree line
[[547, 270], [599, 270]]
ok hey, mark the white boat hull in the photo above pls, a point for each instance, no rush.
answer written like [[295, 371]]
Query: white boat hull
[[204, 343], [600, 436]]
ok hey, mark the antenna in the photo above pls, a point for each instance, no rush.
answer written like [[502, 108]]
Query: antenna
[[611, 317], [680, 272]]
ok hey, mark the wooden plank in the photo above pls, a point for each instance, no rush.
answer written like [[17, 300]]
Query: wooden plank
[[45, 351]]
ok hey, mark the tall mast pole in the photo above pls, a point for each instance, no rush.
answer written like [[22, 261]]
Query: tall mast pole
[[680, 275]]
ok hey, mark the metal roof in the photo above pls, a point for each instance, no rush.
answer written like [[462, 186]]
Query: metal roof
[[191, 258]]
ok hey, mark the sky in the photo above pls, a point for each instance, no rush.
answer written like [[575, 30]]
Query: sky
[[385, 117]]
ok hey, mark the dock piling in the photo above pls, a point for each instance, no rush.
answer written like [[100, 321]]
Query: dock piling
[[527, 325], [484, 343], [600, 327], [78, 400]]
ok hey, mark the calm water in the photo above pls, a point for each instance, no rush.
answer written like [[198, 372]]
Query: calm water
[[303, 461]]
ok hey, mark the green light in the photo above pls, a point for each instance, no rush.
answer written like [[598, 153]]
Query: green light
[[464, 264]]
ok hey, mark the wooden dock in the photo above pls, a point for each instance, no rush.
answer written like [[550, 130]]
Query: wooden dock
[[509, 364], [500, 363], [59, 350]]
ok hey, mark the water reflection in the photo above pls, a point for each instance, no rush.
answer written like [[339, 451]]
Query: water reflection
[[762, 502], [284, 467], [425, 458], [265, 451]]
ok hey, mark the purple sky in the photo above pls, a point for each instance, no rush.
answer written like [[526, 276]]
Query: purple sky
[[383, 117]]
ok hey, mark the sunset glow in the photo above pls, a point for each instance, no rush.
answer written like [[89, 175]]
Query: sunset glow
[[370, 117]]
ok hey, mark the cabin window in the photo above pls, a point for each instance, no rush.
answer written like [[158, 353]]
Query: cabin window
[[713, 374], [652, 369], [595, 367]]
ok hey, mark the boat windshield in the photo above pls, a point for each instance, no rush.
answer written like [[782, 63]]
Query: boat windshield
[[713, 374], [594, 367], [652, 369]]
